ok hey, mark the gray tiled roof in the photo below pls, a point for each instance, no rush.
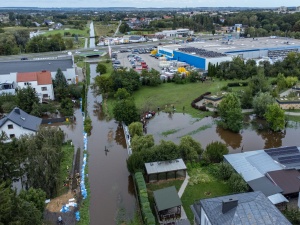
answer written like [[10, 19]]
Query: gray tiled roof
[[35, 65], [22, 119], [253, 208]]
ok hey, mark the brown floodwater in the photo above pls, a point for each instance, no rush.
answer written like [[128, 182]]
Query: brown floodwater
[[253, 136], [112, 193]]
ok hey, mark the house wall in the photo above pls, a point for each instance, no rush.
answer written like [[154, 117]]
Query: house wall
[[204, 218], [16, 130], [70, 75], [39, 89]]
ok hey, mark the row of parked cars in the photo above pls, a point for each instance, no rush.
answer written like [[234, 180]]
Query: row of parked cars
[[137, 62], [141, 50]]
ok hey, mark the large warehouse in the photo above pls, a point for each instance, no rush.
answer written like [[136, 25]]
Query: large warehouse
[[200, 54]]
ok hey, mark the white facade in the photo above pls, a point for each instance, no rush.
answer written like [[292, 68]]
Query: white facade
[[176, 33], [44, 91], [204, 218], [70, 75], [13, 130], [218, 60]]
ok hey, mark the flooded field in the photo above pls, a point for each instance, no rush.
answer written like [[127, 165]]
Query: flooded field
[[253, 136]]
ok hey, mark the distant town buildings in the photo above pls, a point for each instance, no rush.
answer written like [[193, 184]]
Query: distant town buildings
[[4, 18]]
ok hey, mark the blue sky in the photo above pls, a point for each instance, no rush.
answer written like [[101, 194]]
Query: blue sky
[[148, 3]]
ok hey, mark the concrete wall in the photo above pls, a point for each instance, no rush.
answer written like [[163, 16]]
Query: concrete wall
[[295, 105], [216, 60], [16, 130]]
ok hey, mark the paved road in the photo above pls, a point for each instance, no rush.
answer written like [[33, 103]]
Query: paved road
[[117, 30]]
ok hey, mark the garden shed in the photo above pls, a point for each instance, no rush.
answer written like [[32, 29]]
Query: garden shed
[[167, 204], [163, 170]]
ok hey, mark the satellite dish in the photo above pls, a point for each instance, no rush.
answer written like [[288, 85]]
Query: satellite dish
[[69, 53]]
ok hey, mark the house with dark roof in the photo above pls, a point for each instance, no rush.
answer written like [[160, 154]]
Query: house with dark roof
[[18, 123], [40, 81], [238, 209], [9, 69]]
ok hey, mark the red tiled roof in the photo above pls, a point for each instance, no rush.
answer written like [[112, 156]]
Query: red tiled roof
[[25, 77], [42, 77]]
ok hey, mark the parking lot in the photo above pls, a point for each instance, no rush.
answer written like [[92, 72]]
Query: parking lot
[[150, 61]]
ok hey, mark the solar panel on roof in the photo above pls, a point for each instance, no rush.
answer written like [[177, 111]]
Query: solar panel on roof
[[282, 151], [289, 157]]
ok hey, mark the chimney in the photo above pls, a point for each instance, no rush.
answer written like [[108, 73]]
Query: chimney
[[17, 110], [229, 204]]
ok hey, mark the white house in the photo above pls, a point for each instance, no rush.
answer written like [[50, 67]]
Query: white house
[[244, 208], [9, 69], [18, 123], [41, 82]]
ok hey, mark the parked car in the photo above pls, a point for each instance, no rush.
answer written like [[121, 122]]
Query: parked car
[[117, 62], [24, 58]]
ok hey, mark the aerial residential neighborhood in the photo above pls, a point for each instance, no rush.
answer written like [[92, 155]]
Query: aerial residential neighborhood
[[150, 113]]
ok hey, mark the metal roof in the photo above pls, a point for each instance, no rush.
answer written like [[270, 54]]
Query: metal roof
[[252, 208], [166, 198], [165, 166], [22, 119], [288, 180], [264, 185], [241, 165], [277, 198], [263, 162], [35, 65]]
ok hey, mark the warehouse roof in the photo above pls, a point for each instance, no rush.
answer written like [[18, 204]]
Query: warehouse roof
[[242, 44], [165, 166], [166, 198], [35, 65]]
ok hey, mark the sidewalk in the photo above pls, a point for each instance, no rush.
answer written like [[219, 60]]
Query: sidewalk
[[183, 186]]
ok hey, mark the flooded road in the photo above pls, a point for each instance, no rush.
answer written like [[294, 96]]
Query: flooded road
[[205, 131], [112, 195]]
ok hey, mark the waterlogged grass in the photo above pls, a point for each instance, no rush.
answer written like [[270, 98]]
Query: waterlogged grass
[[168, 132], [204, 127], [65, 165]]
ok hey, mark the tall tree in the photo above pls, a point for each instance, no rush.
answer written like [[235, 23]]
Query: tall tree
[[190, 149], [230, 112], [60, 85], [261, 102], [126, 111], [26, 98], [135, 128], [275, 117]]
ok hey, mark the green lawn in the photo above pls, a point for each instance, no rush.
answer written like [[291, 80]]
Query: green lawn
[[80, 33], [66, 162], [202, 185], [179, 95], [102, 29]]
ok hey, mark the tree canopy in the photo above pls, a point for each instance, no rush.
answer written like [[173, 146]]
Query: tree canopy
[[275, 117], [261, 102], [214, 152], [230, 112], [26, 98]]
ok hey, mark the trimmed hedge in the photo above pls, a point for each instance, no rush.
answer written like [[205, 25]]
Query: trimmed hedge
[[202, 107], [147, 214]]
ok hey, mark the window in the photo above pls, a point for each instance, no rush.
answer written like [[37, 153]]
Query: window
[[45, 96], [69, 80], [10, 126], [44, 88], [11, 136], [27, 83]]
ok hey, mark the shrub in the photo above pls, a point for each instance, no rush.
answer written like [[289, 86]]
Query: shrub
[[237, 183], [88, 125], [214, 152], [237, 84]]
